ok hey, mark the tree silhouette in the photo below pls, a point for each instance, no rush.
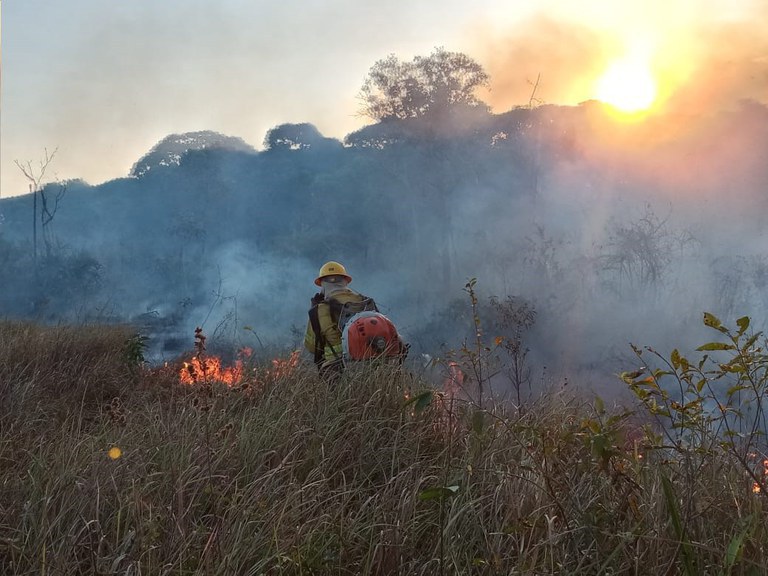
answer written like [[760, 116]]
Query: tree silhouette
[[49, 205], [297, 137], [171, 149], [425, 86]]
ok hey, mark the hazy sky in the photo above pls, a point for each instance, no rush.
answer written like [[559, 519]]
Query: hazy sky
[[103, 80]]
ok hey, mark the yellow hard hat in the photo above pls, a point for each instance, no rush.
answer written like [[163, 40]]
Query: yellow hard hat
[[332, 269]]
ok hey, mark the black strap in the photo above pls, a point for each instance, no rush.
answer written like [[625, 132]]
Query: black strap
[[336, 308], [314, 321]]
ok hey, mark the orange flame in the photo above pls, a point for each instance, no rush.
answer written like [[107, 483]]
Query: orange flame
[[282, 367], [454, 379], [756, 486], [210, 369]]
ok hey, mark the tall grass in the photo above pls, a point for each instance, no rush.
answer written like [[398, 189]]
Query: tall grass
[[290, 476]]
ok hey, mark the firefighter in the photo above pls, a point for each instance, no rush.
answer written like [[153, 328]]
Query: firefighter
[[323, 336], [346, 326]]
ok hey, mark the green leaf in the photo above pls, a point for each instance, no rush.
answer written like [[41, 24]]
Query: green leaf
[[750, 342], [675, 358], [438, 492], [591, 425], [628, 377], [743, 324], [736, 368], [420, 401], [733, 552], [599, 405], [715, 346], [733, 389], [712, 321], [601, 447], [478, 421], [674, 512]]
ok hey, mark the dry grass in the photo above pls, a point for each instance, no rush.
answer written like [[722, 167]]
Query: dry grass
[[289, 476]]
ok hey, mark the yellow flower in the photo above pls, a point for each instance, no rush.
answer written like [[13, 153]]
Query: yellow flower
[[115, 453]]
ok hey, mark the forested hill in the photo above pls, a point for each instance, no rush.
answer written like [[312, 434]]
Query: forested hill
[[604, 227]]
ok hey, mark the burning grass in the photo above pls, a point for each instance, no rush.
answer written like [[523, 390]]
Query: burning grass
[[294, 477]]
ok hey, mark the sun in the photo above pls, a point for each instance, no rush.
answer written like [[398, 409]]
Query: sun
[[628, 85]]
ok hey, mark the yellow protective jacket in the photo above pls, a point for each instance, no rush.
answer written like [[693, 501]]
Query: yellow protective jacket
[[328, 341]]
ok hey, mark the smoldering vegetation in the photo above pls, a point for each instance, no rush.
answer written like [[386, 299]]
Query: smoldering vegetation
[[613, 232]]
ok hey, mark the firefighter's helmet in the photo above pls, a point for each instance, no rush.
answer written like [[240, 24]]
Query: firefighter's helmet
[[332, 269]]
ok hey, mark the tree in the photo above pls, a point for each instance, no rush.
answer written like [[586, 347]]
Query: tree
[[425, 86], [171, 149], [297, 137], [428, 110], [641, 253], [511, 318], [48, 205]]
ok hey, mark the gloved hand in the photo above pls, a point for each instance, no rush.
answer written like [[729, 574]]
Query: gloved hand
[[317, 298]]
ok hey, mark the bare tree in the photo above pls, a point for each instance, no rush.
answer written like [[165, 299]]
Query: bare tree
[[48, 205], [640, 253], [512, 318]]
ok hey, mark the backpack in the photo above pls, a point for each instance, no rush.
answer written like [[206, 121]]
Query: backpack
[[366, 333], [370, 335], [342, 312]]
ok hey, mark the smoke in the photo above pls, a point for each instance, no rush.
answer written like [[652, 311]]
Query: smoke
[[702, 63], [258, 291], [731, 65], [616, 232], [541, 62]]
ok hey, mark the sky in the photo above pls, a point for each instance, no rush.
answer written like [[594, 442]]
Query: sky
[[101, 81]]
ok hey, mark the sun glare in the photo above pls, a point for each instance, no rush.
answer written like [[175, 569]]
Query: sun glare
[[628, 85]]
